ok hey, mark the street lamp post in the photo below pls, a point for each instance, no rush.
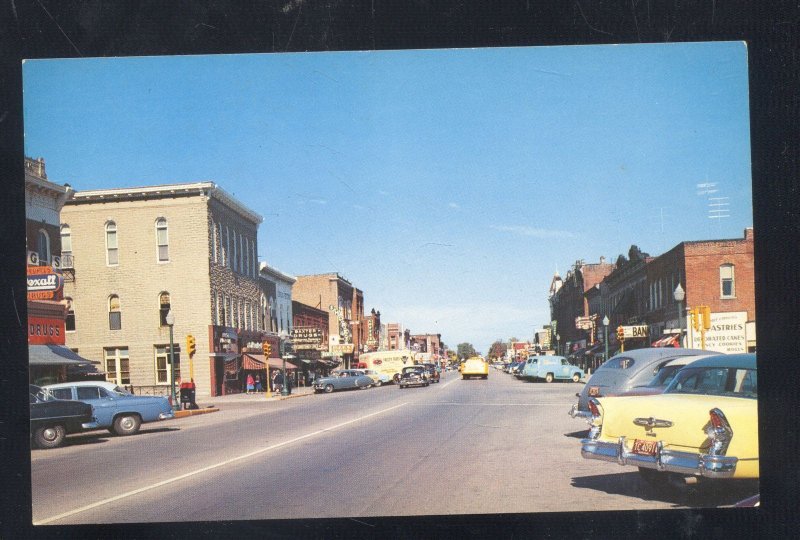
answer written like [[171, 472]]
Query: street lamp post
[[284, 340], [170, 319], [680, 295], [605, 335], [558, 343]]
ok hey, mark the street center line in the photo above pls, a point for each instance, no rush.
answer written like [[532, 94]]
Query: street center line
[[205, 469]]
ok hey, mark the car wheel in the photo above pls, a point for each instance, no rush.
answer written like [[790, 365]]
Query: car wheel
[[378, 384], [127, 424], [576, 378], [548, 377], [328, 388], [427, 384], [49, 436]]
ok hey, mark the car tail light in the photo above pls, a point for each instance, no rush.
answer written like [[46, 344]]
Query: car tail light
[[719, 431], [595, 420], [593, 408]]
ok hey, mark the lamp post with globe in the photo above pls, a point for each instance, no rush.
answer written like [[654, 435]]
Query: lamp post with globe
[[680, 295], [170, 320]]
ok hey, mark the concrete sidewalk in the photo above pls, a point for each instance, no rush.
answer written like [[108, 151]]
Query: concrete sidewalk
[[209, 404]]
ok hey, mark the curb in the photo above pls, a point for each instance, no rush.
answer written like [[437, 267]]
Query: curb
[[291, 396], [192, 412]]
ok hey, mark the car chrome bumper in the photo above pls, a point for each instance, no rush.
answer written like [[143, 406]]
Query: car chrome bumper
[[575, 413], [166, 415], [664, 460], [91, 425]]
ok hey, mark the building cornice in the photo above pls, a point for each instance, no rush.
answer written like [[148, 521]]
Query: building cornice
[[264, 268], [209, 189]]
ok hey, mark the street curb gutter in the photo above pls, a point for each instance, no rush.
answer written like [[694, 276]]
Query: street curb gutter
[[183, 414]]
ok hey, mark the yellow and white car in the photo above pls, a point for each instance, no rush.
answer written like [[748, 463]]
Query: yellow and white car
[[475, 366], [705, 424]]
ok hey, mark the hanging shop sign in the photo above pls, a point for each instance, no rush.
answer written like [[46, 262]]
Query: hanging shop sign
[[344, 348], [44, 283], [306, 338], [45, 331]]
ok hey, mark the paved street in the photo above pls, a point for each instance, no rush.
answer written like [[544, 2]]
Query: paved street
[[458, 447]]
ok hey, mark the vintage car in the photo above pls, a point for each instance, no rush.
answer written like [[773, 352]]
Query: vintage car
[[475, 366], [378, 378], [413, 376], [550, 368], [343, 379], [663, 377], [52, 419], [431, 370], [704, 425], [115, 409], [622, 372]]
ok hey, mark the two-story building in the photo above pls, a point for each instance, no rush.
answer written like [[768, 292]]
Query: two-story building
[[155, 264]]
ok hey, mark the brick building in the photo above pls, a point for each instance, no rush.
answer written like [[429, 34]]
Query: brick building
[[142, 252], [397, 337], [568, 302], [345, 304], [427, 343], [714, 273]]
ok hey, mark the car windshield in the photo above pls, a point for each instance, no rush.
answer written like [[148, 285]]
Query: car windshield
[[717, 381], [664, 376]]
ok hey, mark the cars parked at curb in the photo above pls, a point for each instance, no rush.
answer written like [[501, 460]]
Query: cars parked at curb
[[115, 409], [549, 369], [704, 425], [343, 379], [663, 377], [622, 372], [53, 419], [413, 376]]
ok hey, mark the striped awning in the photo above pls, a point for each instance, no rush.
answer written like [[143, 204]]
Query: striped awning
[[669, 340], [254, 361]]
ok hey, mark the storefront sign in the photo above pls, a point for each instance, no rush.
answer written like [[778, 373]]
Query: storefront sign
[[44, 283], [306, 338], [45, 331], [636, 332], [345, 348], [728, 333]]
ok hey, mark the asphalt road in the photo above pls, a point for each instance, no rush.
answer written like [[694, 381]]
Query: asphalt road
[[457, 447]]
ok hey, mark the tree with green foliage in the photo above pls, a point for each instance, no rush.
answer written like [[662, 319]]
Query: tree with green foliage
[[465, 350]]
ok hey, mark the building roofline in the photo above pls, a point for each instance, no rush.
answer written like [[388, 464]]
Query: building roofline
[[165, 190], [274, 272]]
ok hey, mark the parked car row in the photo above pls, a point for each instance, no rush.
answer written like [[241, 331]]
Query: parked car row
[[65, 408], [695, 420]]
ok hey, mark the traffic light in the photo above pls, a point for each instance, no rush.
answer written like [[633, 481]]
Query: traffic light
[[267, 348], [706, 311], [695, 315], [191, 345], [620, 333]]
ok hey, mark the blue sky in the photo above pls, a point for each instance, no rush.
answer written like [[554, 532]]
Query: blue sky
[[448, 185]]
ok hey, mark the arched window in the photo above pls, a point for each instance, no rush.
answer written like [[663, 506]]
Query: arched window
[[114, 313], [727, 284], [214, 253], [66, 240], [43, 247], [69, 322], [112, 250], [163, 308], [162, 240]]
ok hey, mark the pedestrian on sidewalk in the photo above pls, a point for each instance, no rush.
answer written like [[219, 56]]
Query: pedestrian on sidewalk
[[250, 383], [278, 386], [258, 383]]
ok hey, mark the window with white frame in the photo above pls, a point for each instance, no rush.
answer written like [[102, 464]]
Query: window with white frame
[[162, 240], [163, 367], [66, 240], [163, 308], [114, 313], [235, 261], [112, 249], [69, 321], [214, 241], [726, 281], [116, 363], [43, 247], [247, 319]]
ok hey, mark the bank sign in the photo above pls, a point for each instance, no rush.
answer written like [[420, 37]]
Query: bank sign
[[727, 333]]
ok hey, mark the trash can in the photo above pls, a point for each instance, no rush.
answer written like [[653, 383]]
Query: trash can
[[187, 396]]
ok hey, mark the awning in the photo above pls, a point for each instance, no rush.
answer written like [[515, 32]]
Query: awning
[[670, 340], [254, 361], [54, 355]]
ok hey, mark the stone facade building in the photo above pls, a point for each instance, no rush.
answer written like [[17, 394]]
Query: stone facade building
[[344, 303], [142, 252], [279, 300]]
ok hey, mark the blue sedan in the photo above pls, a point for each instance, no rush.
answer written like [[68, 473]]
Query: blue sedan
[[115, 409], [342, 380]]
